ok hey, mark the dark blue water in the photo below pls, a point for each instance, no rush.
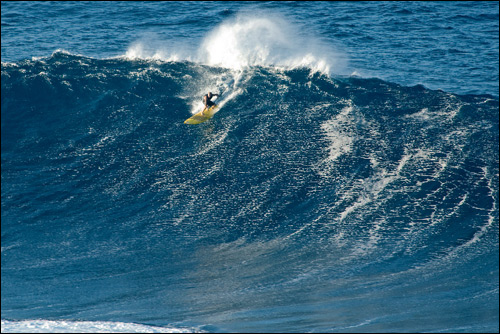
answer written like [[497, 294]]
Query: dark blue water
[[348, 183]]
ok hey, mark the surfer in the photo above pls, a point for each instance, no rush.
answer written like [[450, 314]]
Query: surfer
[[207, 102]]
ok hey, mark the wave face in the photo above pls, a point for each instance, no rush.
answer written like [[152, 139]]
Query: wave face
[[308, 203]]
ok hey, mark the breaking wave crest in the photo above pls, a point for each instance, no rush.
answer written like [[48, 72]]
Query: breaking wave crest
[[247, 40]]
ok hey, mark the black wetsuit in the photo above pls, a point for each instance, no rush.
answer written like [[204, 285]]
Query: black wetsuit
[[207, 99]]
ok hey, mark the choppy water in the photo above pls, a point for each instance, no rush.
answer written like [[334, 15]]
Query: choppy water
[[349, 182]]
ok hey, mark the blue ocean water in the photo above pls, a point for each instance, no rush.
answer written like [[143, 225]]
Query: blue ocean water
[[348, 183]]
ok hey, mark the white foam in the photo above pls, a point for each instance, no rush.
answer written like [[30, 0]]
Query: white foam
[[66, 326], [266, 40], [492, 212], [257, 39], [141, 49], [340, 133]]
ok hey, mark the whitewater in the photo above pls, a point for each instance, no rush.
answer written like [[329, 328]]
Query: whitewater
[[318, 198]]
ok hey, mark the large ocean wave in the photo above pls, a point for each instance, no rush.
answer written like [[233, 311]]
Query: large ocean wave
[[324, 192]]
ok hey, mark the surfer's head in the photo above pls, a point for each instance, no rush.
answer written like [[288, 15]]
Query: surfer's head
[[209, 94]]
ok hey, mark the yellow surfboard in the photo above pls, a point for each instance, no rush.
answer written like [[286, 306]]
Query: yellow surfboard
[[202, 116]]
